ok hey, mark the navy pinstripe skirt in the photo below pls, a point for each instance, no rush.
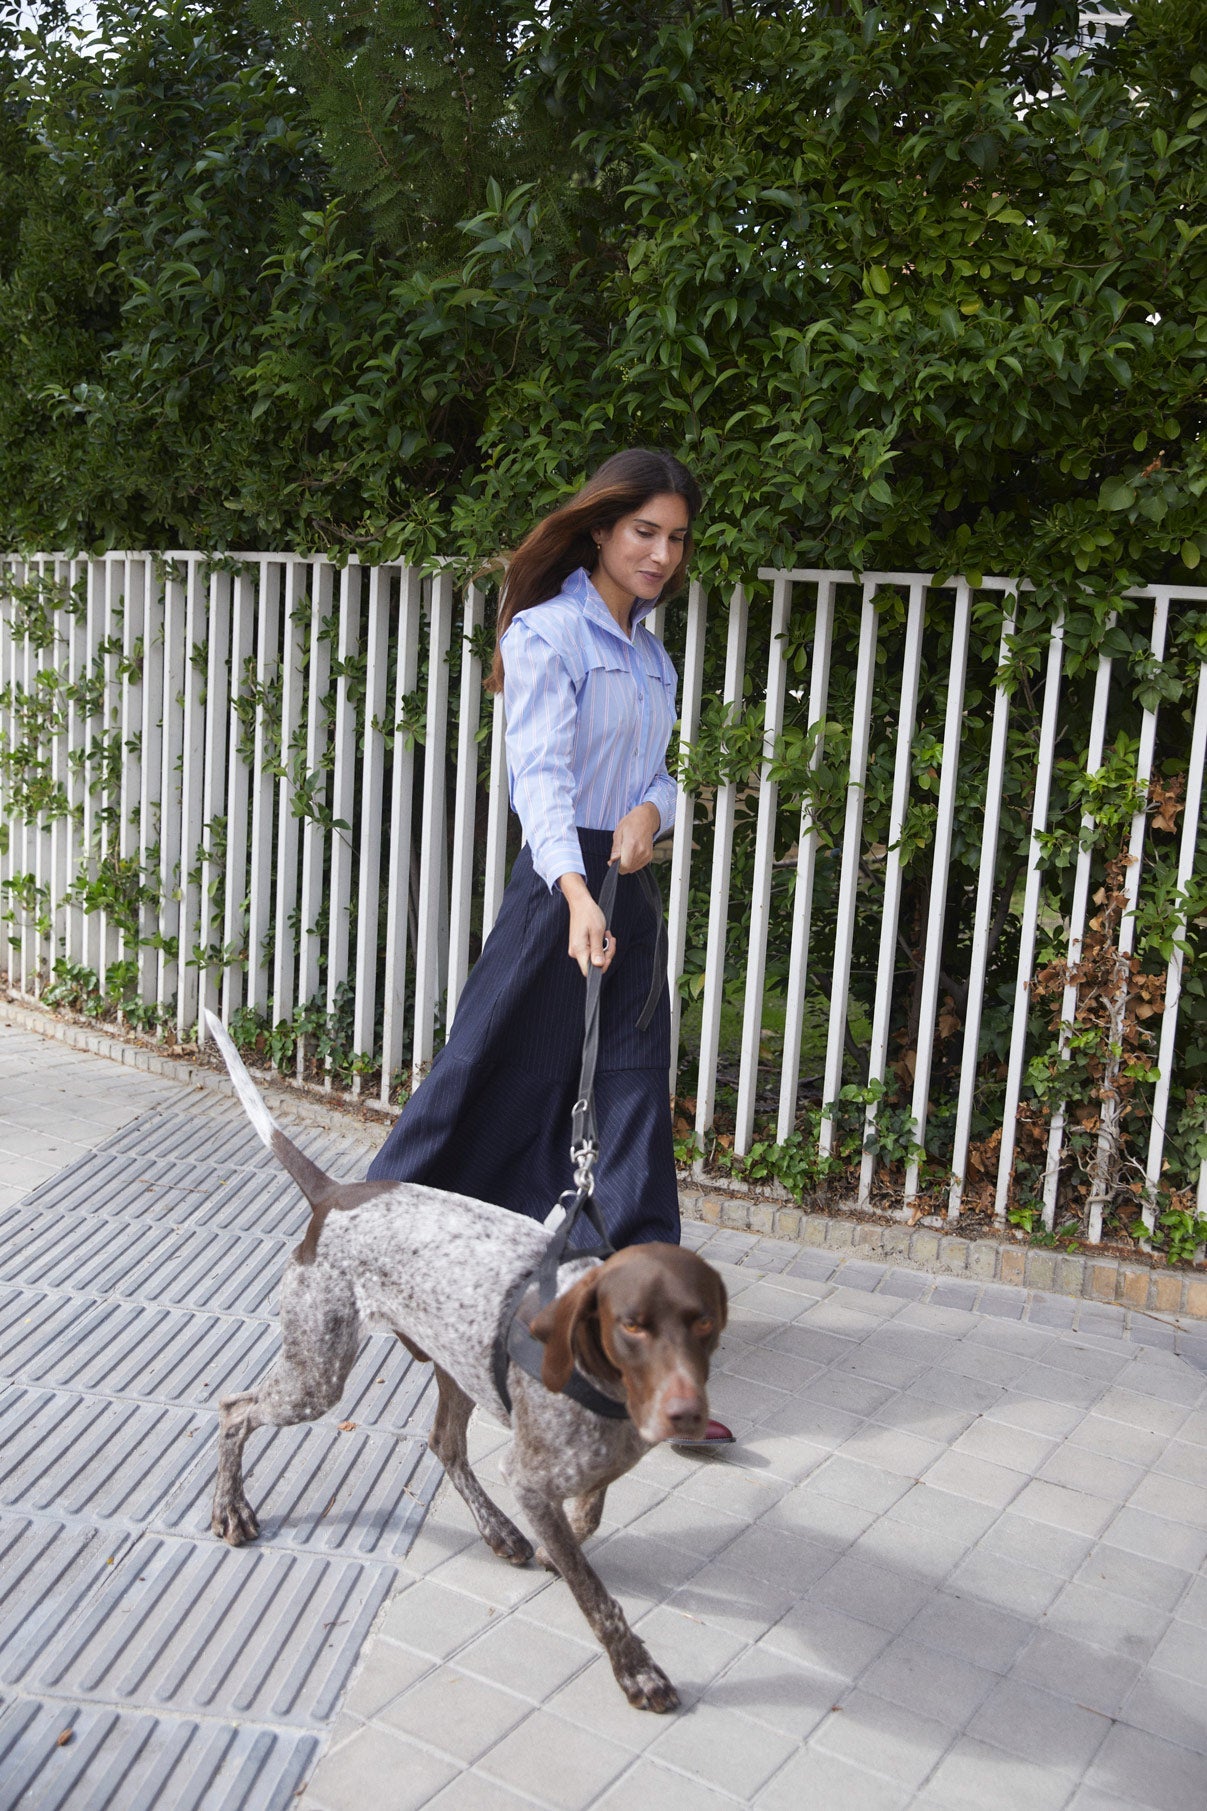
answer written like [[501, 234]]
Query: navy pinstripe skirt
[[492, 1118]]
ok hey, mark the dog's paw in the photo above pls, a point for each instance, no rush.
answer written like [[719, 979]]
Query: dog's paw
[[543, 1559], [509, 1544], [235, 1523], [648, 1688]]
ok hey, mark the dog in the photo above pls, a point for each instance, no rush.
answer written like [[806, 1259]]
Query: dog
[[438, 1270]]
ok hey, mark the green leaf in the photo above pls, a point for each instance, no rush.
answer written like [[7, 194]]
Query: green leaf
[[1190, 554], [1116, 493]]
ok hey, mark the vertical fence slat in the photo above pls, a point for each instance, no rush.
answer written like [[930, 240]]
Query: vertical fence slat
[[91, 952], [806, 865], [764, 859], [431, 850], [313, 836], [192, 797], [238, 795], [1030, 917], [293, 684], [465, 798], [213, 808], [1131, 889], [8, 739], [982, 915], [115, 606], [685, 811], [1192, 807], [848, 880], [175, 659], [343, 791], [886, 967], [368, 889], [31, 825], [1077, 918], [402, 801], [133, 656], [150, 815], [722, 857], [940, 861], [60, 851], [263, 782]]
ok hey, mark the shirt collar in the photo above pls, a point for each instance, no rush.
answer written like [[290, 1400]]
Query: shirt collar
[[579, 587]]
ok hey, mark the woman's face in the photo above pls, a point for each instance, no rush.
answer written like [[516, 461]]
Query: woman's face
[[638, 554]]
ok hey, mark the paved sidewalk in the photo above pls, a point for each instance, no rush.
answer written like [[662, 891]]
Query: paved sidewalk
[[954, 1564]]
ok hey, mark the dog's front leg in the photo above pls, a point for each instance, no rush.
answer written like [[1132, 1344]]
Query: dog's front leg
[[643, 1683]]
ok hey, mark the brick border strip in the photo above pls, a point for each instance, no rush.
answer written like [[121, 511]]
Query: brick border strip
[[1142, 1287]]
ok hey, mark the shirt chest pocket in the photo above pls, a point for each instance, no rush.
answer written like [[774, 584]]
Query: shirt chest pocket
[[611, 699]]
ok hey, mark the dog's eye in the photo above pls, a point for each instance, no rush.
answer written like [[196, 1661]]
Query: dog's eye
[[704, 1326], [630, 1325]]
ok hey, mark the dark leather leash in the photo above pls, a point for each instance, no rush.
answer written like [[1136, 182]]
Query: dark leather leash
[[514, 1339]]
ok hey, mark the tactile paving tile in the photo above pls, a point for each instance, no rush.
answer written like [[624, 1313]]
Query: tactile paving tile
[[136, 1288], [107, 1760]]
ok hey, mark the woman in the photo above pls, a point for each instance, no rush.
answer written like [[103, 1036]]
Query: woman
[[590, 704]]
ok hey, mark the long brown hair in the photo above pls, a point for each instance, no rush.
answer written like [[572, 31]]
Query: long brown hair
[[560, 543]]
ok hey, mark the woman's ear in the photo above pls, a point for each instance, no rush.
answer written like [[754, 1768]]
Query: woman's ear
[[555, 1325]]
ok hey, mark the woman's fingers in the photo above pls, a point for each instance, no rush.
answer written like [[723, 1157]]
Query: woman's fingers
[[591, 944]]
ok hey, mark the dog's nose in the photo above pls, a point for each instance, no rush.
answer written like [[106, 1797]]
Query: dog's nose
[[686, 1412]]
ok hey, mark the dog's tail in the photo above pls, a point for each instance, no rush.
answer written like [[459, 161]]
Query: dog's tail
[[313, 1182]]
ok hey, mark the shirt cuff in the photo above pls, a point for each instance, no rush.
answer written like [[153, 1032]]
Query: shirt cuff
[[556, 859], [662, 795]]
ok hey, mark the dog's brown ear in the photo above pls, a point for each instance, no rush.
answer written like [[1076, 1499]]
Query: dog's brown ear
[[554, 1326]]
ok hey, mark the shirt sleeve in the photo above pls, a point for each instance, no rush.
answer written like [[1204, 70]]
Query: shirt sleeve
[[542, 709], [663, 795]]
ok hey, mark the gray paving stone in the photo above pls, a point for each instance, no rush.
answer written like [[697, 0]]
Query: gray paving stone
[[984, 1635], [526, 1658], [962, 1474], [1168, 1707], [882, 1595], [1032, 1724], [454, 1712], [350, 1776], [470, 1791], [772, 1689], [434, 1620], [563, 1765], [1075, 1510], [819, 1778], [386, 1672], [939, 1686], [977, 1777], [1089, 1677], [1157, 1774], [731, 1752], [647, 1783], [1178, 1543], [827, 1640], [884, 1738]]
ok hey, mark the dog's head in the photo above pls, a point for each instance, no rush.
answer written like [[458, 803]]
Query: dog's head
[[649, 1319]]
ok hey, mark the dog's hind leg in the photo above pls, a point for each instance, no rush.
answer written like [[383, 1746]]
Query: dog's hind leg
[[320, 1336], [447, 1440]]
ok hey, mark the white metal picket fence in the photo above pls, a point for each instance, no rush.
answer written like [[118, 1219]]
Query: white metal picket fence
[[250, 786]]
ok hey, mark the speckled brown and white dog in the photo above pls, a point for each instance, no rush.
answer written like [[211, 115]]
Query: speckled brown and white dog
[[436, 1269]]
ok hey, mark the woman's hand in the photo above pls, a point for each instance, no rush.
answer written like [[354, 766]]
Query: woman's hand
[[633, 838], [591, 944]]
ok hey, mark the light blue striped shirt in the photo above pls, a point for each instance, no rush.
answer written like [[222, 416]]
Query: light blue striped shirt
[[589, 716]]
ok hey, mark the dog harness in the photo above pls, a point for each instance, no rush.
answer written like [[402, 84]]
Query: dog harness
[[514, 1340]]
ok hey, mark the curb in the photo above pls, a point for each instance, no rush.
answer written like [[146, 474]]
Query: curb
[[1141, 1287]]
